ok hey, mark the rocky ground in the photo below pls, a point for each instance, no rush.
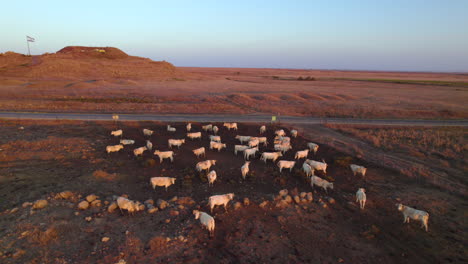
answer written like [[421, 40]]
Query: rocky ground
[[58, 188]]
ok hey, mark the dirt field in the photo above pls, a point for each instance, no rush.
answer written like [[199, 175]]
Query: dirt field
[[47, 157], [70, 81]]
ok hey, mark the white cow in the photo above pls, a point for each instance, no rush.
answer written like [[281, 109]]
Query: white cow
[[207, 127], [206, 220], [215, 138], [217, 145], [321, 183], [250, 152], [270, 156], [280, 133], [115, 148], [139, 151], [361, 197], [194, 135], [253, 142], [164, 155], [171, 129], [215, 129], [317, 165], [162, 181], [263, 140], [294, 133], [307, 170], [283, 147], [189, 127], [286, 164], [127, 142], [205, 165], [211, 177], [147, 132], [414, 214], [199, 151], [243, 139], [117, 133], [262, 129], [240, 148], [175, 142], [245, 169], [358, 169], [222, 199], [312, 146], [230, 125], [301, 154], [149, 145]]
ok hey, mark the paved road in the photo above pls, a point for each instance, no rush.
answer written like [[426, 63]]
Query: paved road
[[230, 118]]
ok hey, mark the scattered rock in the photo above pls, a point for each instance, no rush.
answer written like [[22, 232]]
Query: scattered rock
[[174, 213], [122, 261], [263, 204], [152, 210], [21, 128], [323, 204], [39, 204], [105, 239], [282, 204], [303, 194], [297, 199], [331, 200], [14, 210], [174, 199], [168, 221], [304, 200], [237, 205], [64, 195], [149, 201], [246, 201], [88, 218], [310, 197], [77, 213], [26, 204], [112, 207], [106, 202], [185, 201], [288, 199], [91, 198], [83, 205], [181, 207], [96, 203], [161, 204], [283, 192]]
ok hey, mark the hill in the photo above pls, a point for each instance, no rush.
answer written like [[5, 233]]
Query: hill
[[84, 63]]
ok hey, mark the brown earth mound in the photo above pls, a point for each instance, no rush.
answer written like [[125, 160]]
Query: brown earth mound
[[84, 63]]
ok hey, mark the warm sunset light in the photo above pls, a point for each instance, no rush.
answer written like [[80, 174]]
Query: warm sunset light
[[233, 131]]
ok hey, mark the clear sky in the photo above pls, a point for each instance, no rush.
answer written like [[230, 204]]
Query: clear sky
[[402, 35]]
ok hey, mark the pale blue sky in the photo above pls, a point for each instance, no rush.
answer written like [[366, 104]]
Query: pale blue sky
[[402, 35]]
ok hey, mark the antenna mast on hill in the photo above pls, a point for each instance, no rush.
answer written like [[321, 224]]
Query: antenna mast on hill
[[29, 39]]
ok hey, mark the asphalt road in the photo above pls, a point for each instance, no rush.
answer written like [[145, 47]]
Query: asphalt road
[[231, 118]]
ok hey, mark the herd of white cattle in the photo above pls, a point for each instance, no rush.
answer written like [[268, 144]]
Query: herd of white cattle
[[249, 145]]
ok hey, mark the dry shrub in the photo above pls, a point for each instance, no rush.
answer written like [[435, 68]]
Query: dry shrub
[[43, 238], [100, 174]]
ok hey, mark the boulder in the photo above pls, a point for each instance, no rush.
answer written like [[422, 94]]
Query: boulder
[[39, 204]]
